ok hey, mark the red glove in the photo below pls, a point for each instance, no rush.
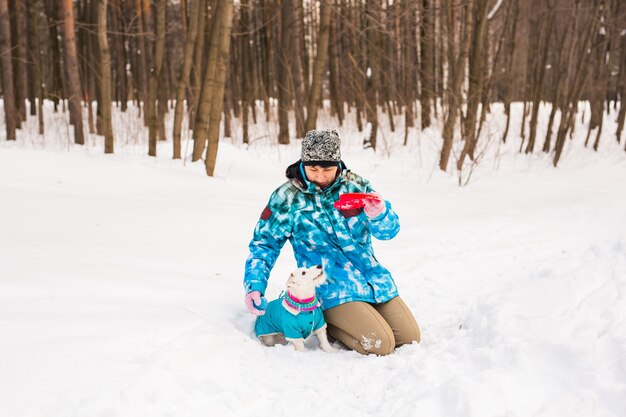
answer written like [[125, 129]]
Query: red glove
[[374, 207]]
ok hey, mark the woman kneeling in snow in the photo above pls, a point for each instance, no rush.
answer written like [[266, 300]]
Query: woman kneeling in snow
[[359, 298]]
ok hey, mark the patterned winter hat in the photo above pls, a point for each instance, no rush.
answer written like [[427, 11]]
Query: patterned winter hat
[[321, 147]]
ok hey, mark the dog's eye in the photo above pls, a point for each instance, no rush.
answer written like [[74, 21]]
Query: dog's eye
[[303, 272]]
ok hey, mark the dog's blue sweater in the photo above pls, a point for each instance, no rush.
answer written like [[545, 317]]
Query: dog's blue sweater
[[278, 320]]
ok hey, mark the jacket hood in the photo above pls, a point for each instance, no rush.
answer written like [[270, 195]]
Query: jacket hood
[[294, 174]]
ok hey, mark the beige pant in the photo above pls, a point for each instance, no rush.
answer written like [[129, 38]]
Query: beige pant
[[372, 328]]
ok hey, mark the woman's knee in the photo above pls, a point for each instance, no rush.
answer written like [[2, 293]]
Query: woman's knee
[[380, 344], [360, 327]]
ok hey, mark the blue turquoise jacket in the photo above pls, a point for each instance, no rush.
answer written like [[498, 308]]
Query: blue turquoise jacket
[[278, 320], [303, 213]]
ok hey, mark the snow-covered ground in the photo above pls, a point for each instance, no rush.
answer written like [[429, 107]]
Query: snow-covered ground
[[121, 295]]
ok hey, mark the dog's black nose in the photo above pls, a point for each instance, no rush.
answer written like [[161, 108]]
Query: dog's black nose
[[319, 267]]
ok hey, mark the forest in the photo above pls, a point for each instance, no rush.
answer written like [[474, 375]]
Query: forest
[[422, 62]]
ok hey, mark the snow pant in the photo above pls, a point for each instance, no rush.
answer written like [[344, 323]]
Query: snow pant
[[372, 328]]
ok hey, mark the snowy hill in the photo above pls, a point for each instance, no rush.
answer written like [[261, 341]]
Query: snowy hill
[[121, 295]]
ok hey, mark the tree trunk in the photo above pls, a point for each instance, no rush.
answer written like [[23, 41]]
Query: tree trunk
[[573, 95], [558, 75], [621, 117], [539, 73], [224, 19], [183, 79], [284, 70], [155, 75], [196, 65], [203, 111], [336, 96], [508, 80], [246, 73], [296, 71], [35, 53], [10, 112], [409, 54], [476, 79], [105, 82], [142, 68], [427, 66], [18, 38], [374, 46], [66, 11], [120, 53], [455, 80], [315, 92]]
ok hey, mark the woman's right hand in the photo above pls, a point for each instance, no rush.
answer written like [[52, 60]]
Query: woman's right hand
[[256, 303]]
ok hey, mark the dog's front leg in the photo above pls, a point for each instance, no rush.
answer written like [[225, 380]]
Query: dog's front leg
[[323, 339], [298, 344]]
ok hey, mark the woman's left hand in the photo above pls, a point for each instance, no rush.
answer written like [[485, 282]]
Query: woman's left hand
[[374, 208]]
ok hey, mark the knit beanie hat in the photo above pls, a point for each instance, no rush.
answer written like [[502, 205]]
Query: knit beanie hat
[[321, 147]]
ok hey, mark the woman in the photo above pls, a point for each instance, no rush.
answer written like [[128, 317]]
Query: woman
[[359, 299]]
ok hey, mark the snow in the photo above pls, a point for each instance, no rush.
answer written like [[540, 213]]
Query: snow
[[121, 295]]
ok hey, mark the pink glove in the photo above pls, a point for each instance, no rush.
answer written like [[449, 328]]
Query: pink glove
[[374, 208], [252, 298]]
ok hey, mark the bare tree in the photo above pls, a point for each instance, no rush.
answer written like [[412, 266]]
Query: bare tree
[[577, 80], [427, 61], [455, 80], [105, 81], [476, 79], [315, 92], [183, 78], [284, 70], [155, 75], [18, 37], [7, 71], [539, 72], [621, 118], [373, 42], [35, 55], [224, 19], [205, 101], [73, 91]]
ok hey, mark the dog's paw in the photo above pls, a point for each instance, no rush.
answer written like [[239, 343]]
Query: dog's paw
[[330, 349]]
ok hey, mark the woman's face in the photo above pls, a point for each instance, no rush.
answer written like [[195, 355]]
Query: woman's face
[[322, 176]]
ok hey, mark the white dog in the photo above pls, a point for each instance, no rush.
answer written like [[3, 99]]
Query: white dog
[[297, 314]]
